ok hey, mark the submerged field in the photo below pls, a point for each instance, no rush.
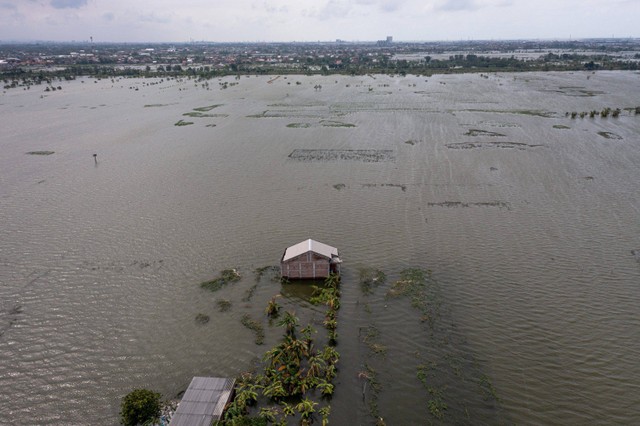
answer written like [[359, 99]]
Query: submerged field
[[507, 232]]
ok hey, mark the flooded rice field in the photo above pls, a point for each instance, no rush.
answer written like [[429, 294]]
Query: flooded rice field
[[523, 221]]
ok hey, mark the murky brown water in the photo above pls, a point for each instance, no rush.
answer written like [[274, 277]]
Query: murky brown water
[[528, 231]]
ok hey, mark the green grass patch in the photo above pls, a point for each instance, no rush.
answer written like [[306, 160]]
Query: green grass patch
[[371, 278], [609, 135], [272, 272], [254, 326], [331, 123], [227, 276], [40, 152], [410, 282], [487, 389], [561, 126], [436, 404], [424, 370], [416, 284], [534, 113], [369, 375], [370, 337], [339, 186], [298, 125], [248, 294], [207, 108], [197, 114], [202, 319], [183, 123], [223, 305], [478, 132]]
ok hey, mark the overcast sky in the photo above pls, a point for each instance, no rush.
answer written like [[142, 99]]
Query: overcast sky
[[313, 20]]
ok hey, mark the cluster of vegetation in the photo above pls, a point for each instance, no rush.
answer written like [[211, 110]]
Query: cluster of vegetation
[[370, 338], [371, 278], [40, 152], [604, 113], [333, 123], [296, 375], [414, 283], [140, 407], [255, 326], [436, 404], [223, 305], [202, 319], [227, 276], [369, 374], [273, 271], [478, 132], [594, 113]]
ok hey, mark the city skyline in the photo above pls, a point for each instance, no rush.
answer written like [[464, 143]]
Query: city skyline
[[287, 21]]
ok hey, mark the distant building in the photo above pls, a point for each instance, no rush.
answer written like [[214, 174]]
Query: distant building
[[309, 259], [387, 42]]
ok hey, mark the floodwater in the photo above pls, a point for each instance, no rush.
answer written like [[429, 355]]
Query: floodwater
[[528, 221]]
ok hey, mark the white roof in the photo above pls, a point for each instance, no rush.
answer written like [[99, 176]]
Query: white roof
[[309, 245]]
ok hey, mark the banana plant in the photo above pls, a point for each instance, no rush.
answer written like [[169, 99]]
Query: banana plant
[[306, 408], [325, 412], [290, 322]]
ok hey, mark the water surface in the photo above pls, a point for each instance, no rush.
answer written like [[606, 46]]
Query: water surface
[[528, 231]]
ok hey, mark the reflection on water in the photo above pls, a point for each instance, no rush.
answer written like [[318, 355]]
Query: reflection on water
[[529, 241]]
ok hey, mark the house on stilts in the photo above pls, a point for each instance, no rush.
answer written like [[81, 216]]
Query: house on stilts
[[309, 259]]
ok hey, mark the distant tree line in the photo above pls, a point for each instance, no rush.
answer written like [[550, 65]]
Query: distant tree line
[[348, 65]]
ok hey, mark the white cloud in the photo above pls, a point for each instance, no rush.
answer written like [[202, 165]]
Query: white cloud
[[457, 5], [68, 4], [284, 20]]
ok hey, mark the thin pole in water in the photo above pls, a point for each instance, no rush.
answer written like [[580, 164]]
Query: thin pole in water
[[95, 158]]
